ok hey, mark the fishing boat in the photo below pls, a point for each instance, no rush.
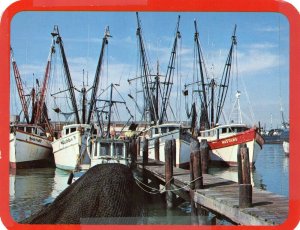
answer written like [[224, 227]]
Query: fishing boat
[[30, 142], [223, 139], [286, 141], [29, 146], [69, 147], [169, 131], [109, 146], [156, 96]]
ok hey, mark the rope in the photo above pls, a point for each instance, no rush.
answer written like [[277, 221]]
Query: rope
[[139, 183]]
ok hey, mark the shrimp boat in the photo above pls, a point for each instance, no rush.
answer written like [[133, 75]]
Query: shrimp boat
[[29, 146], [157, 108], [223, 139], [69, 148], [109, 145], [30, 142]]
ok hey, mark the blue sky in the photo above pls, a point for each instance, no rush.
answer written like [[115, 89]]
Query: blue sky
[[262, 52]]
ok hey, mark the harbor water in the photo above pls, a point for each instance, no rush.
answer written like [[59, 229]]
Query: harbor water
[[32, 189]]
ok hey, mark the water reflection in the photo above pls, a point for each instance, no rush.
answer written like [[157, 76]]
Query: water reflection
[[31, 189], [271, 172]]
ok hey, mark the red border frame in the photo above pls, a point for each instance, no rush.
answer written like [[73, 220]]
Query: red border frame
[[152, 5]]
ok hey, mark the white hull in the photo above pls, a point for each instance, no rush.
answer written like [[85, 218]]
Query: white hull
[[224, 149], [182, 158], [286, 147], [28, 150], [66, 151], [67, 148]]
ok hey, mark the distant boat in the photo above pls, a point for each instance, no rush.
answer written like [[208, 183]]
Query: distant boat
[[286, 141]]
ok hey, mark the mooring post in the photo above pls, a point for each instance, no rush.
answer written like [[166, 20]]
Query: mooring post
[[196, 178], [133, 150], [156, 149], [138, 146], [174, 152], [170, 197], [145, 151], [245, 189], [196, 171], [204, 155]]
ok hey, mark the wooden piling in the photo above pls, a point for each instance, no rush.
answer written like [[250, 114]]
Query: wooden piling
[[196, 181], [174, 152], [145, 151], [245, 188], [138, 146], [156, 149], [133, 151], [170, 197], [204, 150], [195, 166]]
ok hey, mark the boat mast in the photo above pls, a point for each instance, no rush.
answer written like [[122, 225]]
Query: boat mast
[[223, 87], [19, 86], [109, 111], [59, 41], [169, 76], [203, 96], [97, 75], [145, 77], [41, 101]]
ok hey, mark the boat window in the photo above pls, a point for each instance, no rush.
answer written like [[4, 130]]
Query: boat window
[[29, 129], [21, 128], [73, 130], [224, 130], [164, 130], [67, 131], [118, 149], [172, 129], [155, 131], [105, 149]]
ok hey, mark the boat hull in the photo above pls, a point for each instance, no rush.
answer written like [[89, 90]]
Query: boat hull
[[286, 147], [183, 140], [66, 151], [29, 151], [223, 151]]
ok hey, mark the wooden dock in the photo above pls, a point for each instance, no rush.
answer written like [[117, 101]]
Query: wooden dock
[[222, 196]]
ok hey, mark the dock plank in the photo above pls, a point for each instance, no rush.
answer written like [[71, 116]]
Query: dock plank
[[222, 196]]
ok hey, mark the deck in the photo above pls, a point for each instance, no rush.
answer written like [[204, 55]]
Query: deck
[[222, 196]]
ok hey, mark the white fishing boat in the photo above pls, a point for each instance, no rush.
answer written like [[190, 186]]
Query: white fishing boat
[[169, 131], [224, 141], [157, 90], [108, 150], [69, 148], [286, 141], [29, 146]]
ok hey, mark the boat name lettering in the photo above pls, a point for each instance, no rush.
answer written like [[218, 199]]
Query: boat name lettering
[[229, 140], [69, 139], [35, 139]]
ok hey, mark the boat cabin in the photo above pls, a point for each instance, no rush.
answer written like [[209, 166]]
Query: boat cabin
[[67, 129], [33, 129], [224, 130], [109, 151]]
